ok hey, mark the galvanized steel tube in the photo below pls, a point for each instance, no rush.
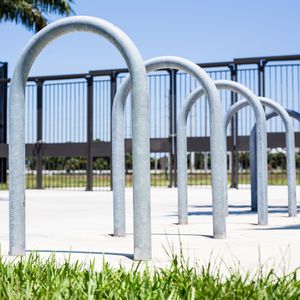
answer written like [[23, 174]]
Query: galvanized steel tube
[[259, 112], [261, 140], [141, 146], [290, 156], [217, 142]]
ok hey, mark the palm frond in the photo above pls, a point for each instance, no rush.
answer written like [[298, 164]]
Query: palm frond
[[59, 7], [32, 13]]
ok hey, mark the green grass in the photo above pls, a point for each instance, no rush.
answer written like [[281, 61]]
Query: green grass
[[34, 278], [157, 180]]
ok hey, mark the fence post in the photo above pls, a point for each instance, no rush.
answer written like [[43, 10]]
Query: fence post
[[39, 135], [234, 135], [261, 78], [90, 132], [113, 91], [172, 128], [174, 117], [3, 122]]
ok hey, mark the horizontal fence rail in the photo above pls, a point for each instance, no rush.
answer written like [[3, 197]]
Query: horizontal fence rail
[[68, 125]]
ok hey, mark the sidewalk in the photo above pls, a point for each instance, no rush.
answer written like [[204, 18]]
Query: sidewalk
[[81, 223]]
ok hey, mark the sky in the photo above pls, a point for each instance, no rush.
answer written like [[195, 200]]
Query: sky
[[202, 31]]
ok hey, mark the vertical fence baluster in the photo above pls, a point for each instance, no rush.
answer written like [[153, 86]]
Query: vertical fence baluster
[[174, 122], [3, 121], [90, 124], [172, 128], [113, 90], [234, 135], [39, 136]]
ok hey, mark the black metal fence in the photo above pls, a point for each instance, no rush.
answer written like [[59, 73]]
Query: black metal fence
[[3, 120], [68, 125]]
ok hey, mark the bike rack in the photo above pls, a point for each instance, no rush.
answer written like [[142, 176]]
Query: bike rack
[[136, 83], [140, 115], [290, 154], [217, 143], [261, 136]]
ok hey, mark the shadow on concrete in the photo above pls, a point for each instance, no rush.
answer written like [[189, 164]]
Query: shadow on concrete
[[273, 209], [230, 206], [179, 233], [183, 234], [288, 227], [127, 255]]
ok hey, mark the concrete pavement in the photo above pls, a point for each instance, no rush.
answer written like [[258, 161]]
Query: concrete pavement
[[80, 223]]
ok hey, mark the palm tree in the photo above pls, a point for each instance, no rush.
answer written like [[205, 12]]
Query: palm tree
[[33, 13]]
